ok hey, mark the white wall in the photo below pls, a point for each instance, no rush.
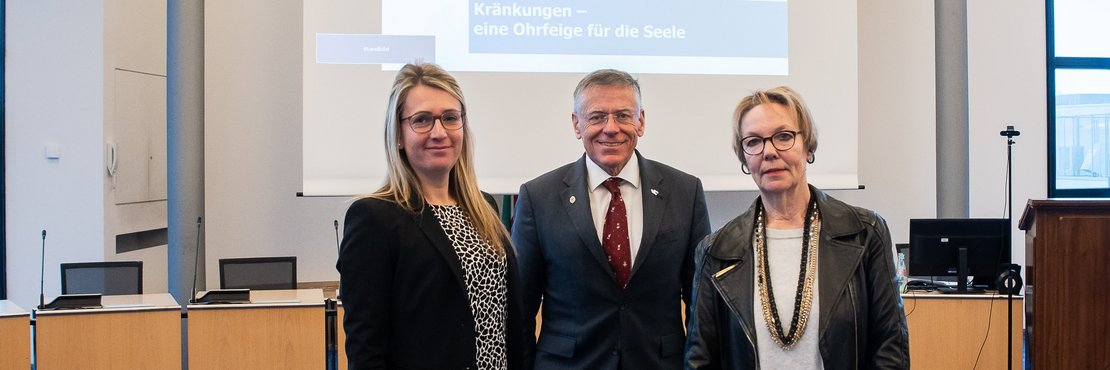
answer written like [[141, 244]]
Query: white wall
[[252, 141], [897, 118], [252, 138], [134, 47], [55, 95], [62, 60], [1007, 86]]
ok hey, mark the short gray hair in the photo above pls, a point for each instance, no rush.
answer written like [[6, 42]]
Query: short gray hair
[[606, 77]]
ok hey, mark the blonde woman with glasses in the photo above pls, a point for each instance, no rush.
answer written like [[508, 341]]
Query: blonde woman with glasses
[[800, 280], [427, 273]]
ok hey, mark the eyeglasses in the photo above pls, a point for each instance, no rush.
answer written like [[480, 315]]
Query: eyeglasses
[[622, 117], [782, 140], [424, 121]]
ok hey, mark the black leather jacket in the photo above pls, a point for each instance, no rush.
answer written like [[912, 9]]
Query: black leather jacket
[[862, 323]]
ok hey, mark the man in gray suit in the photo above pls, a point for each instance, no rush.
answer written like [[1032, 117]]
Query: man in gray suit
[[606, 243]]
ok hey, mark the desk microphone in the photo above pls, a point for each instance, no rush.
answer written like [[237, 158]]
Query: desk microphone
[[42, 271], [336, 223], [214, 295], [196, 265]]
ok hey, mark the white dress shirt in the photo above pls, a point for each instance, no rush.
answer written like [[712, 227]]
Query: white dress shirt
[[630, 191]]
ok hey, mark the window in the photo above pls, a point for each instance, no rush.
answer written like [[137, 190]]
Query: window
[[3, 149], [1078, 98]]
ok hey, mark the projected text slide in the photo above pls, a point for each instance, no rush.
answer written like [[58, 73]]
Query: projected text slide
[[736, 37], [646, 28]]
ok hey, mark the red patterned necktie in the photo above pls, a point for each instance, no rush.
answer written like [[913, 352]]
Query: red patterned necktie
[[614, 239]]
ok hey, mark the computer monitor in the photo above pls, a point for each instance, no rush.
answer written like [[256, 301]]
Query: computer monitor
[[959, 247]]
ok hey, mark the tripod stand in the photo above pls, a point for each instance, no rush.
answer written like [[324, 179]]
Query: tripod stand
[[1010, 279]]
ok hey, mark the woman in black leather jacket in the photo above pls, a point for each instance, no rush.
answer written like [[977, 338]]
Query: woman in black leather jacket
[[800, 280]]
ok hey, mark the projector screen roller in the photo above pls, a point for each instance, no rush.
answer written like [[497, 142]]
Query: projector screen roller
[[518, 63]]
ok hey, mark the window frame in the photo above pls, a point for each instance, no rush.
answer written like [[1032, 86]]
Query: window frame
[[3, 151], [1053, 64]]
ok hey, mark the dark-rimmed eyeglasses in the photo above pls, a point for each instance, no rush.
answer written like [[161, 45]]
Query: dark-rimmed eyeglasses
[[423, 122], [782, 140]]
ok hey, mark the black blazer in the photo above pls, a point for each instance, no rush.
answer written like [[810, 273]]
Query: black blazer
[[404, 293], [862, 321], [589, 322]]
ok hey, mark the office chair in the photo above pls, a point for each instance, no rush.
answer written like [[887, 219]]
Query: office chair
[[259, 273], [107, 278]]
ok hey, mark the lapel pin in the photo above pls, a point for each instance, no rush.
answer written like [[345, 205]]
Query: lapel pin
[[572, 199], [655, 192]]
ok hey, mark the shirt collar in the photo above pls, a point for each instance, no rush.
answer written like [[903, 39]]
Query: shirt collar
[[630, 173]]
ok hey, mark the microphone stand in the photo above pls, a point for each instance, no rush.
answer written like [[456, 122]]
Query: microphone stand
[[338, 250], [1010, 326], [42, 304], [331, 313], [196, 264], [1009, 133], [42, 271], [336, 224]]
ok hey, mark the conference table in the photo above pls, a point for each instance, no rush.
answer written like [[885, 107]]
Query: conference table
[[284, 329], [15, 336], [140, 331], [278, 329], [948, 330]]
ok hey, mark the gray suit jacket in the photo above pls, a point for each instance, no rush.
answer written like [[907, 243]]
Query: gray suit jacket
[[588, 321]]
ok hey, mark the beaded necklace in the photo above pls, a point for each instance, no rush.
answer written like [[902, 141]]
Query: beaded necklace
[[803, 300]]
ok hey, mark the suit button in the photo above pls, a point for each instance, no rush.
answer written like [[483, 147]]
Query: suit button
[[616, 353]]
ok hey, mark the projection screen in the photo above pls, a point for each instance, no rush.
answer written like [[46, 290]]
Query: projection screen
[[518, 63]]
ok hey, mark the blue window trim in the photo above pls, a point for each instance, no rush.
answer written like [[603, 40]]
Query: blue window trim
[[1055, 63], [3, 150]]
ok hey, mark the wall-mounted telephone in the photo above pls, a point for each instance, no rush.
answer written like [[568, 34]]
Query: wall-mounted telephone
[[113, 159]]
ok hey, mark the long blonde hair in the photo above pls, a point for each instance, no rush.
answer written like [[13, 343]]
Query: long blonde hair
[[402, 186]]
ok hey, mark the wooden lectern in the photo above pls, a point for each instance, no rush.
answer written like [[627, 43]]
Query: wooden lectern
[[15, 336], [278, 329], [138, 331], [1067, 295]]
